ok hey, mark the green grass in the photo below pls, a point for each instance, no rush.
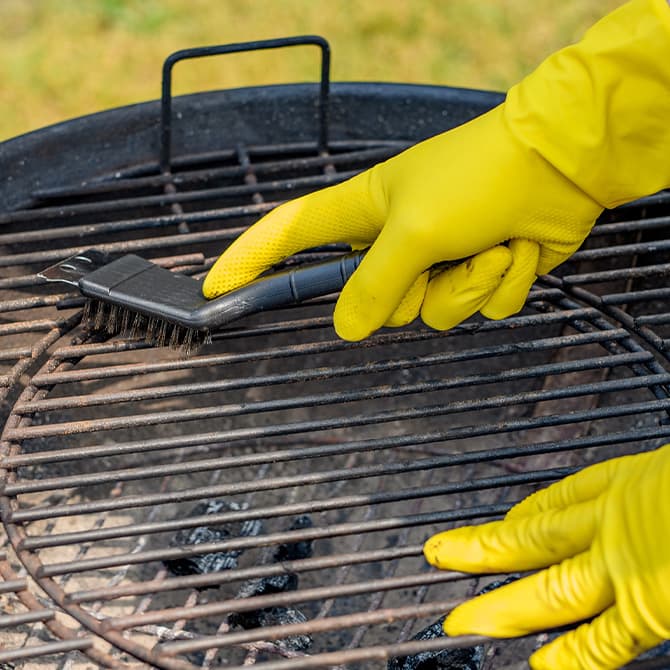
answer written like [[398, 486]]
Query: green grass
[[65, 58]]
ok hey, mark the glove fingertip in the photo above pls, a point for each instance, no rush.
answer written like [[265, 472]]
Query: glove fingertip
[[382, 285], [482, 615], [351, 320], [459, 622], [410, 306], [540, 660], [472, 549], [351, 329], [510, 296]]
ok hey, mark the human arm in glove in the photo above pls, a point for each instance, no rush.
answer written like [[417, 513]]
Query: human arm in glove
[[516, 190], [601, 539]]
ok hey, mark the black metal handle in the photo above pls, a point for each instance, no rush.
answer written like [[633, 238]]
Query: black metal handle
[[200, 52]]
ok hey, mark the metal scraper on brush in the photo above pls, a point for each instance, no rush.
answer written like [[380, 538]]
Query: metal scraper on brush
[[135, 296]]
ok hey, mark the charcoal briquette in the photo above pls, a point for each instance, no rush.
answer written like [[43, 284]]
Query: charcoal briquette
[[492, 586], [267, 585], [469, 658], [214, 561], [274, 616], [292, 551], [465, 658]]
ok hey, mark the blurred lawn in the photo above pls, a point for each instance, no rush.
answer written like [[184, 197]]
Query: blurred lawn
[[65, 58]]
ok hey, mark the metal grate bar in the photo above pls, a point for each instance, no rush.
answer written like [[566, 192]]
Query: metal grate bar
[[315, 505], [660, 198], [346, 153], [13, 585], [14, 354], [279, 599], [35, 326], [636, 296], [34, 616], [217, 439], [332, 531], [630, 225], [653, 319], [32, 303], [621, 410], [195, 196], [258, 571], [487, 403], [220, 411], [321, 625], [312, 348], [179, 390], [187, 162], [126, 246], [622, 250], [380, 653], [45, 649], [604, 276], [143, 223]]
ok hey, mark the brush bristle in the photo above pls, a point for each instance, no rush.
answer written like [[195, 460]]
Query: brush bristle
[[152, 326], [112, 319], [117, 320], [125, 323], [100, 318], [161, 337], [138, 328], [87, 311]]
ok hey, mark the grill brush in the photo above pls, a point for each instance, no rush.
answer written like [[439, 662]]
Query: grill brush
[[135, 297]]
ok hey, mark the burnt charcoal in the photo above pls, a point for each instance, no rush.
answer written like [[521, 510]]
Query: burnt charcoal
[[466, 658], [497, 584], [662, 651], [268, 585], [215, 561], [272, 616], [469, 658], [293, 551]]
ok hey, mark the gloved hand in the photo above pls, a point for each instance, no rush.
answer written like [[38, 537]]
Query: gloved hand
[[587, 130], [605, 533]]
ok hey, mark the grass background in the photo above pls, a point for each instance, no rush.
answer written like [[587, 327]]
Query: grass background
[[66, 58]]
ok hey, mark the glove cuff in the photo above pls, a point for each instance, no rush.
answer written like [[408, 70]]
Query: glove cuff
[[599, 110]]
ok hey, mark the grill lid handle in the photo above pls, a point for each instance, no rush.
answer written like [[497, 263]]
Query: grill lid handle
[[200, 52]]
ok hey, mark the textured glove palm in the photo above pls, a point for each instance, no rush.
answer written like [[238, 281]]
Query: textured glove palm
[[605, 533], [588, 129]]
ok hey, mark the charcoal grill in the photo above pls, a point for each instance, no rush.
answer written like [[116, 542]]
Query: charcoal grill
[[111, 450]]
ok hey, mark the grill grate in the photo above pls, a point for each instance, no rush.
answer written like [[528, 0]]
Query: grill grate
[[325, 464]]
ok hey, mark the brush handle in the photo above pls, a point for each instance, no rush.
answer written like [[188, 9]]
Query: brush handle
[[281, 289]]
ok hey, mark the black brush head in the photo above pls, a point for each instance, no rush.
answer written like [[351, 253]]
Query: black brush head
[[99, 316], [138, 298]]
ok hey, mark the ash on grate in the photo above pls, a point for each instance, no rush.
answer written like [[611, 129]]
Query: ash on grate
[[465, 658], [282, 615], [215, 561]]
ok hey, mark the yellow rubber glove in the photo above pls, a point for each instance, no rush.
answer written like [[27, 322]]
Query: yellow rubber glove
[[605, 532], [587, 130]]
